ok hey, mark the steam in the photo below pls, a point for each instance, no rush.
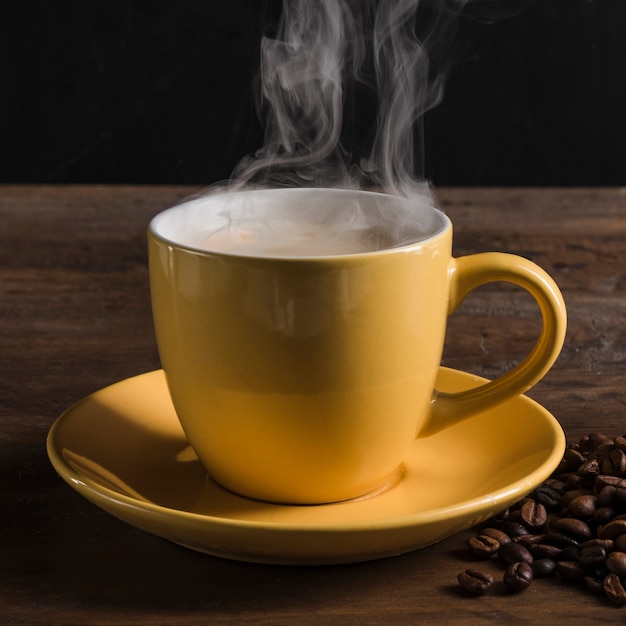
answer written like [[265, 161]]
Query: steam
[[330, 63], [343, 88]]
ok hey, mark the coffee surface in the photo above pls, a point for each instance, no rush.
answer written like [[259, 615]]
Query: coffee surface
[[298, 222], [284, 238]]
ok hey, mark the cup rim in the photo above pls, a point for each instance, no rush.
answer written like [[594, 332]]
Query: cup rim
[[202, 198]]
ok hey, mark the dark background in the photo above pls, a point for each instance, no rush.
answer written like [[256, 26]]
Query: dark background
[[161, 92]]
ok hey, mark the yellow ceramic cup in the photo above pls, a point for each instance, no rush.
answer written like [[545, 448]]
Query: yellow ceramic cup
[[305, 379]]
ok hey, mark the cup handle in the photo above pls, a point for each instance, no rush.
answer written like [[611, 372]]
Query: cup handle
[[466, 274]]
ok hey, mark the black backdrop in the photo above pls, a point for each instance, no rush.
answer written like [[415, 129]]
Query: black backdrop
[[115, 91]]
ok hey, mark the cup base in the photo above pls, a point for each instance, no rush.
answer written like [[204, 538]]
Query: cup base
[[391, 481]]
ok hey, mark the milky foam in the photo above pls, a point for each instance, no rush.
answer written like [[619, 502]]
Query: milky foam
[[298, 222]]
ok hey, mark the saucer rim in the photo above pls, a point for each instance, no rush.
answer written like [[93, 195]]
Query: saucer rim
[[463, 509]]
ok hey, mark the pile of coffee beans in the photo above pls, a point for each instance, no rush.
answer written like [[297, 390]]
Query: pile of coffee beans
[[573, 526]]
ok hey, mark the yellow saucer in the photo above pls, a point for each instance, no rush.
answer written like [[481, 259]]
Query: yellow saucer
[[123, 449]]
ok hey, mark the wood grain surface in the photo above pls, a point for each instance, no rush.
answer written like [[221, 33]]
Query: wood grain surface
[[75, 316]]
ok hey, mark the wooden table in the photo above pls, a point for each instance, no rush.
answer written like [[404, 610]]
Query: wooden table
[[75, 316]]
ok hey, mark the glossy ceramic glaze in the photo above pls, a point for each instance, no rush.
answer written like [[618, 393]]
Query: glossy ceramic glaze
[[307, 379], [123, 448]]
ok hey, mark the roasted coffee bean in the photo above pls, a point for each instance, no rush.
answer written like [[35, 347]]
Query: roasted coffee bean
[[555, 483], [583, 506], [544, 568], [475, 582], [606, 544], [620, 442], [619, 543], [574, 458], [570, 570], [608, 496], [614, 589], [514, 553], [589, 469], [614, 463], [559, 539], [547, 496], [570, 495], [616, 563], [499, 535], [605, 480], [572, 527], [596, 440], [545, 551], [533, 514], [518, 576], [574, 481], [603, 515], [529, 540], [613, 529], [514, 529], [592, 441], [610, 489], [483, 546], [602, 452], [592, 555]]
